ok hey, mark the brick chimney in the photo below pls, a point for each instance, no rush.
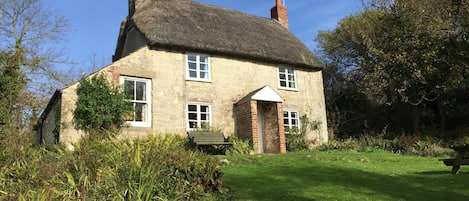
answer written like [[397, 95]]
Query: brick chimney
[[279, 13]]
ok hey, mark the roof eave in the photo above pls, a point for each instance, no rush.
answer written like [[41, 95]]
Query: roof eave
[[184, 48]]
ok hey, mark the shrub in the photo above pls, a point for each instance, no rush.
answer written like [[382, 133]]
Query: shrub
[[153, 169], [101, 107], [411, 145], [344, 144], [240, 146], [296, 138]]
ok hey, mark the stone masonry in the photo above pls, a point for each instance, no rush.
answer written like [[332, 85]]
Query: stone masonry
[[231, 80]]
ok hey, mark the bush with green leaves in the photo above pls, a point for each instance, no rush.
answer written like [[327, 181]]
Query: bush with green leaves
[[410, 145], [296, 137], [240, 146], [101, 106]]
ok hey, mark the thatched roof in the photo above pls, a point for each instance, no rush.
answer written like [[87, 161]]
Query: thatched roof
[[191, 26]]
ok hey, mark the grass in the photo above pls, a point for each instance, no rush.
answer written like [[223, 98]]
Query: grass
[[341, 175]]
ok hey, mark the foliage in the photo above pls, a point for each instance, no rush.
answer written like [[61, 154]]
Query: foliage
[[27, 61], [240, 146], [153, 169], [399, 55], [295, 140], [101, 106], [343, 175], [296, 137], [12, 82], [404, 144]]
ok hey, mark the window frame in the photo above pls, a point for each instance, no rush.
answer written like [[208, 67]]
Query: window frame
[[287, 79], [290, 125], [199, 114], [197, 70], [148, 100]]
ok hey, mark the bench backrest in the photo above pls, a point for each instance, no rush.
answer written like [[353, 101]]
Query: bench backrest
[[200, 136]]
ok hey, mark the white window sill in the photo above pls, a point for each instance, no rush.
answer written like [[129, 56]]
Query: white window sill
[[199, 80], [138, 124], [289, 89]]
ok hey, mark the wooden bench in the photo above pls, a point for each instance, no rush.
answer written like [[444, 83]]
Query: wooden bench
[[462, 158], [205, 138]]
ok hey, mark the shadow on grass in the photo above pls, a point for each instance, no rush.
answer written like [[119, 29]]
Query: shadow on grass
[[442, 173], [435, 173], [319, 182]]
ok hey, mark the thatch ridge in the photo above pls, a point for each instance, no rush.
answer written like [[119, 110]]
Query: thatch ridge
[[189, 25]]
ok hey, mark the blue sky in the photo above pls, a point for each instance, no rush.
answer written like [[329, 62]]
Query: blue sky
[[95, 23]]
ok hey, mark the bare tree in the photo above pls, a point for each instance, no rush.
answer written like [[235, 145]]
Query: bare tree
[[28, 37]]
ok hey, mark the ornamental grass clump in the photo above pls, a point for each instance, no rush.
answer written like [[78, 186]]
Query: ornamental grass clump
[[157, 168]]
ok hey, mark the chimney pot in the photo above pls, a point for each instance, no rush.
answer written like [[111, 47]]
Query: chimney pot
[[279, 13]]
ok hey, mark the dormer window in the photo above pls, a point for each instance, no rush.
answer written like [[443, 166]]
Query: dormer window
[[287, 78], [198, 67]]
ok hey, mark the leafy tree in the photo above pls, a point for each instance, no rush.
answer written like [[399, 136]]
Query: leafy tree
[[101, 107], [406, 55]]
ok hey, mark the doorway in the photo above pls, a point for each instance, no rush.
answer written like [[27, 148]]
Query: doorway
[[268, 127]]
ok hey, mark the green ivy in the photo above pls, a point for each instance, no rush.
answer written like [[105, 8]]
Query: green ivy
[[101, 107]]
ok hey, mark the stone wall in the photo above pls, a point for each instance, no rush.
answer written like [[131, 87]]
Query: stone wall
[[46, 130], [232, 79]]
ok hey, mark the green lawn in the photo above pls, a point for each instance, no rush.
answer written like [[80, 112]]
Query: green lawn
[[343, 176]]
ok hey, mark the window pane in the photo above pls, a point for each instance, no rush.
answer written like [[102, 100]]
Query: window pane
[[291, 78], [140, 109], [203, 75], [193, 74], [192, 108], [129, 87], [293, 115], [203, 117], [291, 71], [205, 125], [203, 67], [192, 116], [294, 122], [203, 108], [282, 76], [203, 59], [192, 124], [282, 70], [192, 57], [283, 84], [192, 66], [292, 85], [140, 91]]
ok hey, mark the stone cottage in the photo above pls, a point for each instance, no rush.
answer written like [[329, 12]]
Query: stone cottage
[[192, 65]]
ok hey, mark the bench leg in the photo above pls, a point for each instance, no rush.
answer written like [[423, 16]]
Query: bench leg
[[455, 169]]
